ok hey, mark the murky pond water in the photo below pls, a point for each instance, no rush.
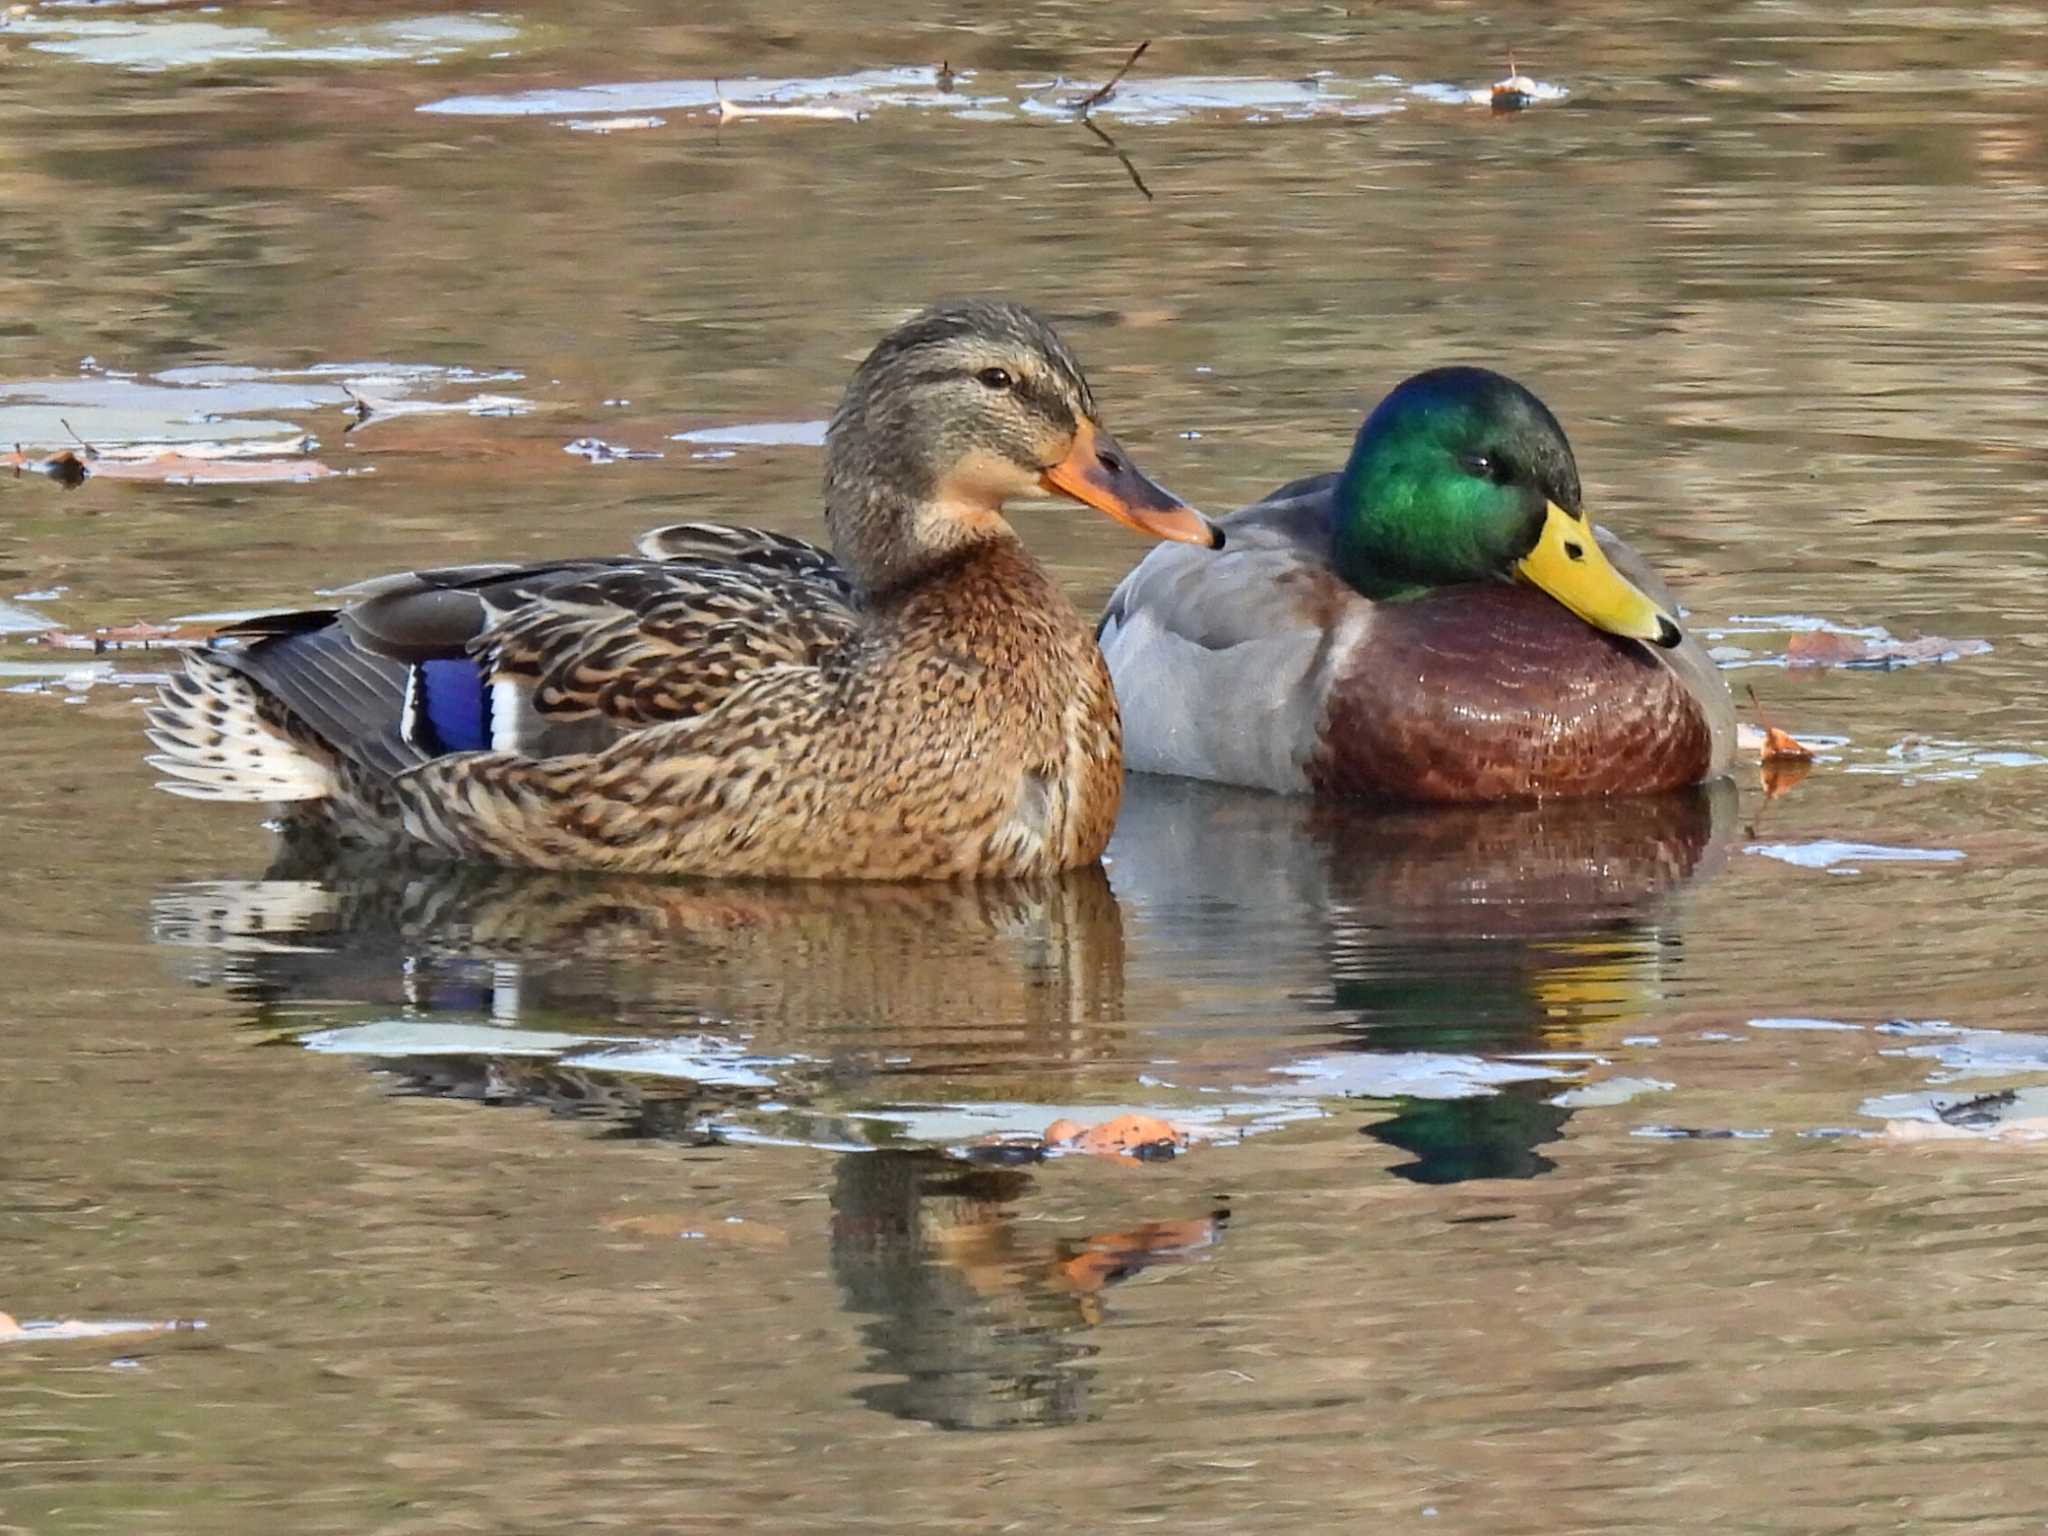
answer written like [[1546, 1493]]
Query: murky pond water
[[1640, 1166]]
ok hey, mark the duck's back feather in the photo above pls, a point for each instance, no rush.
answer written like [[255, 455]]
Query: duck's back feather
[[1217, 655], [542, 659]]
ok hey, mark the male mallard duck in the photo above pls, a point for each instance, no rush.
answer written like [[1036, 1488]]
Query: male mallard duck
[[1439, 622], [927, 704]]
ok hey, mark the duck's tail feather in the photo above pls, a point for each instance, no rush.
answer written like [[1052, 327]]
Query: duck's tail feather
[[295, 717], [218, 739]]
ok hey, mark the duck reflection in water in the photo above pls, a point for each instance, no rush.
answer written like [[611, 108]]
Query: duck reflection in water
[[1495, 929], [1552, 926], [1501, 929], [959, 977], [975, 1323]]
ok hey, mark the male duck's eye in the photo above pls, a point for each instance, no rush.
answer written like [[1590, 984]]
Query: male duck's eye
[[1489, 466], [995, 378]]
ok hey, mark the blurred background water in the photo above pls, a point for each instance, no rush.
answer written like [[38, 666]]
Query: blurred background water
[[1583, 1167]]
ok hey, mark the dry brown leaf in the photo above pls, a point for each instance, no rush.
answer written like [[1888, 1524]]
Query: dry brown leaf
[[1126, 1133], [1822, 648], [71, 469], [1782, 747], [183, 469], [64, 466]]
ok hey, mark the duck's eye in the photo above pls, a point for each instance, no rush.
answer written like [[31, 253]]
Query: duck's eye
[[1496, 467], [995, 378]]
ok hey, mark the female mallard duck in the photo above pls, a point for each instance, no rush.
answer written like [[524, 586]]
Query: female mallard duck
[[927, 704], [1386, 631]]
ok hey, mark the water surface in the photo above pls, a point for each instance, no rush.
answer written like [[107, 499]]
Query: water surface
[[1665, 1165]]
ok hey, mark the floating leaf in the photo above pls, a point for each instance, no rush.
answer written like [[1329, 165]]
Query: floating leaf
[[1782, 747], [179, 468], [1786, 759], [1826, 648], [64, 466], [1513, 93], [1138, 1135]]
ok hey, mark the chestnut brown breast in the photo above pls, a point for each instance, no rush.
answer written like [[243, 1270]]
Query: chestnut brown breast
[[1496, 692]]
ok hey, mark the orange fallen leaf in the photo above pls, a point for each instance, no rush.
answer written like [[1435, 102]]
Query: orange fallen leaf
[[1124, 1134], [63, 466], [70, 469], [1782, 747], [1785, 758], [1778, 746], [1822, 648]]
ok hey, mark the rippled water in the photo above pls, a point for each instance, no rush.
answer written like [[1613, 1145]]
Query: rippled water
[[1656, 1165]]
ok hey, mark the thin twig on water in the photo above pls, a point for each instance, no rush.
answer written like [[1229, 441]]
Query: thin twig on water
[[1096, 100]]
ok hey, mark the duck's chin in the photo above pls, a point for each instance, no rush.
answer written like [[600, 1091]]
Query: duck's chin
[[953, 523]]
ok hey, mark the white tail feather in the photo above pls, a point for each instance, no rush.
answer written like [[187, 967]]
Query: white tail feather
[[217, 745]]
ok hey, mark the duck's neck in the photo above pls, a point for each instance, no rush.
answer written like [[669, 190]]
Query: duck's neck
[[980, 587], [891, 544]]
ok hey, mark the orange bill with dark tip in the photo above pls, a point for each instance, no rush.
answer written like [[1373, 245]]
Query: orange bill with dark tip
[[1098, 473]]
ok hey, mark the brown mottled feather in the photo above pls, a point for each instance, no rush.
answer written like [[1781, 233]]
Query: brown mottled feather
[[640, 644], [968, 729]]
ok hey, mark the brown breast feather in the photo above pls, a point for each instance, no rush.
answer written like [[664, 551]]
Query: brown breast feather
[[1497, 692]]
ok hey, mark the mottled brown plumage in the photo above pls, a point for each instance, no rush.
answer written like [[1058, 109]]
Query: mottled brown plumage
[[966, 727], [922, 703]]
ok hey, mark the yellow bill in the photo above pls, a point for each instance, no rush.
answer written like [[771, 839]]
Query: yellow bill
[[1569, 564]]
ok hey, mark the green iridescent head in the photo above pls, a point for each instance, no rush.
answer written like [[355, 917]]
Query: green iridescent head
[[1462, 475]]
